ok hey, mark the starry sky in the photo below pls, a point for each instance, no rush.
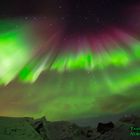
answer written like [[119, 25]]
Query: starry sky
[[80, 15], [69, 59]]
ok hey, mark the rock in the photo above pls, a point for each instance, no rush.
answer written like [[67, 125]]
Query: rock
[[17, 129], [88, 132], [130, 119], [104, 127], [61, 130], [40, 125]]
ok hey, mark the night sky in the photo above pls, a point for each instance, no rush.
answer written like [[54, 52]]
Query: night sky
[[79, 15], [69, 59]]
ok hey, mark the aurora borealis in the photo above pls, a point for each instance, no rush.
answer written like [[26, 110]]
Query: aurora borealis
[[91, 57], [47, 71]]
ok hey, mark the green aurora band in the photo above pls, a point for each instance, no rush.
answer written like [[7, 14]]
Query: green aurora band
[[72, 84], [14, 52]]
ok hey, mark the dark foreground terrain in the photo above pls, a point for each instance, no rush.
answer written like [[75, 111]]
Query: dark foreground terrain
[[127, 128]]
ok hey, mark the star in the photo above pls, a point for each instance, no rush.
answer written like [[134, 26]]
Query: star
[[62, 18], [26, 18], [34, 18], [50, 24], [59, 6], [85, 18]]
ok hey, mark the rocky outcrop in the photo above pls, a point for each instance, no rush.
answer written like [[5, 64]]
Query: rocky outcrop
[[41, 129], [17, 129], [104, 127]]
